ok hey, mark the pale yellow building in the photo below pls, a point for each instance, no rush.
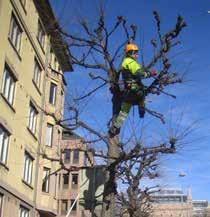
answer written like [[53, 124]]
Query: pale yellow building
[[33, 58]]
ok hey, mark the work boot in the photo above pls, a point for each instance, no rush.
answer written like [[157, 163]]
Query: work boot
[[141, 108], [141, 112]]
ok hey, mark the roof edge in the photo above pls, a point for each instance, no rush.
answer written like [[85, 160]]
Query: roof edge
[[58, 44]]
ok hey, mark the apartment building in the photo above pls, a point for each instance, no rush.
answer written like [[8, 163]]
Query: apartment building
[[172, 203], [200, 208], [33, 59], [75, 155]]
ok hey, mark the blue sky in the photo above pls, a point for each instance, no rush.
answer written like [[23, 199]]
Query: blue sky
[[193, 97]]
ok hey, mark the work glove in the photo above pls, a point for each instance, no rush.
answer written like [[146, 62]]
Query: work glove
[[153, 72]]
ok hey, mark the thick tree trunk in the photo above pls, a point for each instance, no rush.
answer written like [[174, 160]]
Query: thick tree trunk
[[110, 187], [110, 190]]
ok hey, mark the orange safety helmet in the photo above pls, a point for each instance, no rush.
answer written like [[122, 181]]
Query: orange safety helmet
[[131, 47]]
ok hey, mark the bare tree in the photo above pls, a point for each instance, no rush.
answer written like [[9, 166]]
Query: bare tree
[[136, 199], [91, 50], [139, 163]]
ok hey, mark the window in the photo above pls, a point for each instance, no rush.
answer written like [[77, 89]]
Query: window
[[49, 135], [37, 74], [46, 180], [74, 204], [23, 212], [33, 113], [53, 90], [28, 166], [8, 87], [15, 33], [76, 156], [67, 155], [4, 141], [1, 205], [74, 180], [41, 35], [65, 180], [64, 207]]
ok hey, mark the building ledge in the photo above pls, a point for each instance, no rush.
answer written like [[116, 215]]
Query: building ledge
[[46, 213], [58, 45], [4, 166]]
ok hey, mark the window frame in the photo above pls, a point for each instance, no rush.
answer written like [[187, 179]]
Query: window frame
[[65, 203], [46, 181], [67, 151], [37, 74], [65, 185], [76, 160], [41, 34], [74, 208], [4, 146], [50, 142], [15, 33], [53, 93], [32, 118], [1, 204], [73, 175], [23, 212], [28, 168], [8, 85]]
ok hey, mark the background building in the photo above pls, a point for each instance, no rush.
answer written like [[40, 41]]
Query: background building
[[172, 203], [72, 180], [33, 58], [200, 208]]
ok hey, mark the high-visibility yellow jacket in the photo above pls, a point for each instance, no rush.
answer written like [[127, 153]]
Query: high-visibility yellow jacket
[[132, 70]]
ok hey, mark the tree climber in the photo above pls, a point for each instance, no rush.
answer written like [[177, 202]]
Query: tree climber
[[134, 93]]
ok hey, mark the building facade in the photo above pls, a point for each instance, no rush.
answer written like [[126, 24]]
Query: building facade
[[76, 159], [172, 203], [33, 59], [200, 208]]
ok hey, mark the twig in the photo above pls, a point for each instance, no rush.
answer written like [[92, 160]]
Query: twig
[[156, 114], [91, 92]]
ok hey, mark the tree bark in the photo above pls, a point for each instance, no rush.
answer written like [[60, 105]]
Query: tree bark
[[110, 188]]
